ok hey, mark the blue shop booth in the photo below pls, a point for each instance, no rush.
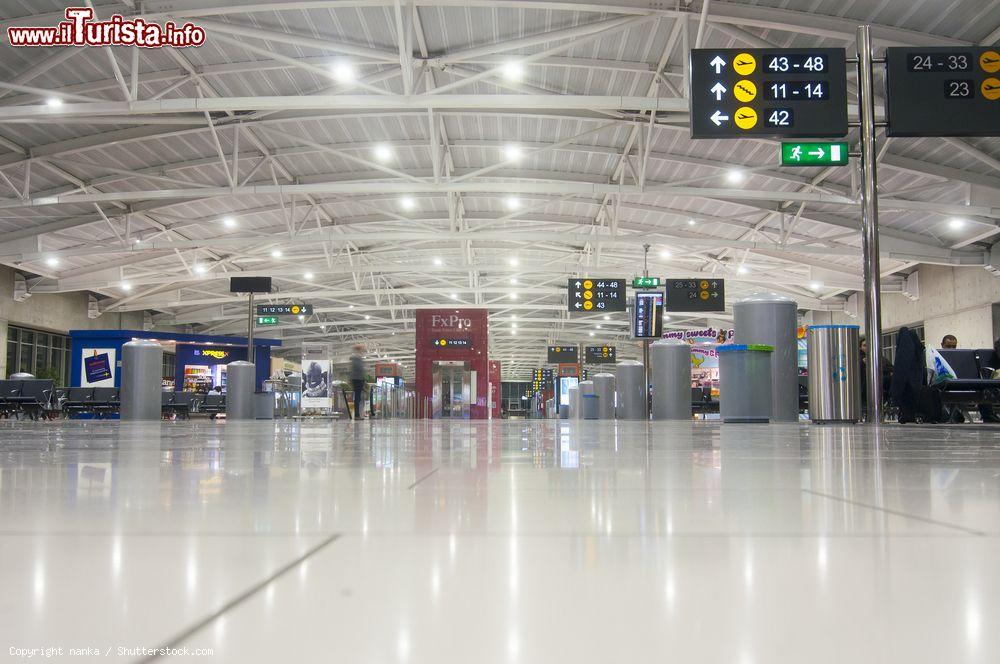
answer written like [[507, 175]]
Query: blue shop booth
[[200, 359]]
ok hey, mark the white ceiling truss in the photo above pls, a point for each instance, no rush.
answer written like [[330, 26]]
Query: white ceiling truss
[[482, 153]]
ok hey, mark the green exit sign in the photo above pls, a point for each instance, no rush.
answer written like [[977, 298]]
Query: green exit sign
[[813, 154], [267, 320], [645, 282]]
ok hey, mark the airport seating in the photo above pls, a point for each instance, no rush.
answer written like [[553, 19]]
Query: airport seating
[[179, 404], [27, 397], [104, 402], [969, 388], [213, 404]]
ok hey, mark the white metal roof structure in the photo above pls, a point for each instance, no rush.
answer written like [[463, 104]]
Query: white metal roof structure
[[382, 156]]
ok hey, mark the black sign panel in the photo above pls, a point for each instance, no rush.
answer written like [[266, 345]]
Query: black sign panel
[[563, 355], [541, 380], [284, 309], [648, 314], [695, 295], [945, 91], [441, 342], [599, 355], [592, 294], [779, 92], [250, 284]]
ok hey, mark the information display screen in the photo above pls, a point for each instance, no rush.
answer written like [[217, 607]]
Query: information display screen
[[648, 315], [768, 92], [593, 294], [599, 355], [695, 295], [943, 91], [566, 382], [563, 354]]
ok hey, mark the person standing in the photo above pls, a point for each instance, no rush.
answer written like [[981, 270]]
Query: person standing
[[358, 380]]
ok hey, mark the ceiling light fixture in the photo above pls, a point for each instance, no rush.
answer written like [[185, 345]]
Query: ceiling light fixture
[[438, 262], [229, 222], [512, 152], [382, 152], [956, 223], [816, 285], [742, 269], [691, 222], [308, 276], [342, 71], [126, 286], [53, 102], [513, 71], [52, 261], [276, 253], [665, 253], [454, 296], [407, 203], [513, 296], [607, 317], [513, 203], [734, 176], [513, 280], [513, 261], [200, 269]]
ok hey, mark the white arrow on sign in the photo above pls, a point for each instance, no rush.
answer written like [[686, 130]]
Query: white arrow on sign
[[718, 63], [577, 305], [719, 89], [578, 284], [818, 152], [718, 118]]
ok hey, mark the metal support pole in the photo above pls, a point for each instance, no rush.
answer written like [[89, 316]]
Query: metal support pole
[[869, 226], [645, 342], [251, 356]]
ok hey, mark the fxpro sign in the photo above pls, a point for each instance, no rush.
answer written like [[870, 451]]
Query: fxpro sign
[[452, 322]]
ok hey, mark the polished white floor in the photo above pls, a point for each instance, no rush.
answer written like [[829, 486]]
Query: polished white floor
[[513, 541]]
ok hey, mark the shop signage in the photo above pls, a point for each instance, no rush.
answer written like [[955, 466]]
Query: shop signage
[[563, 355], [708, 334], [695, 295], [768, 92], [267, 320], [441, 342], [943, 91], [284, 309], [814, 154], [453, 321], [216, 353], [599, 355], [592, 294], [648, 314]]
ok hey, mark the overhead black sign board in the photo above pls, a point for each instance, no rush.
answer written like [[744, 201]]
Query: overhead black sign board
[[648, 314], [284, 309], [943, 91], [685, 295], [593, 294], [599, 355], [541, 379], [563, 355], [250, 284], [778, 92]]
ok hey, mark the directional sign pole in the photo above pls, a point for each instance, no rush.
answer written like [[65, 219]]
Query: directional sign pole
[[250, 313], [645, 342], [869, 227]]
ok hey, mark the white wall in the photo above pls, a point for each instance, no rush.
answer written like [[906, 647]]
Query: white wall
[[955, 301], [56, 312]]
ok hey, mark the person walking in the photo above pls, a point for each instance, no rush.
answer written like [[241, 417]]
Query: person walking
[[358, 380]]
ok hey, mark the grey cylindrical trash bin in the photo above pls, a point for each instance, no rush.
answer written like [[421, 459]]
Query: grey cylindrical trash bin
[[745, 382], [630, 378], [589, 404], [142, 367], [240, 379], [22, 375], [586, 387], [573, 396], [834, 373], [604, 388], [772, 319], [670, 374]]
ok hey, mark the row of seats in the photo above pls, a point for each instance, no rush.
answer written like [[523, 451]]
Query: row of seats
[[25, 397], [37, 398], [97, 401], [182, 404], [973, 383]]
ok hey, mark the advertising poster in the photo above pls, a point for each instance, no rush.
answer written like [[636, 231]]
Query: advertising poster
[[316, 384], [98, 367]]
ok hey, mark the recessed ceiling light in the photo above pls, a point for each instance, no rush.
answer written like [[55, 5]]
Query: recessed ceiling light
[[607, 317], [513, 317], [407, 202], [598, 326], [734, 176], [512, 152], [666, 318], [308, 276], [342, 71], [367, 317], [513, 280], [742, 269], [591, 334], [513, 333], [301, 317], [276, 253], [126, 286], [665, 253], [956, 223], [382, 152], [691, 222], [53, 102], [200, 269], [513, 261], [350, 306], [454, 296], [513, 296], [816, 285], [438, 261], [513, 203], [229, 222], [513, 71], [52, 261], [513, 326]]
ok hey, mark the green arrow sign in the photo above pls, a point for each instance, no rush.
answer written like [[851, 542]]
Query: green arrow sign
[[267, 320], [813, 154], [645, 282]]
